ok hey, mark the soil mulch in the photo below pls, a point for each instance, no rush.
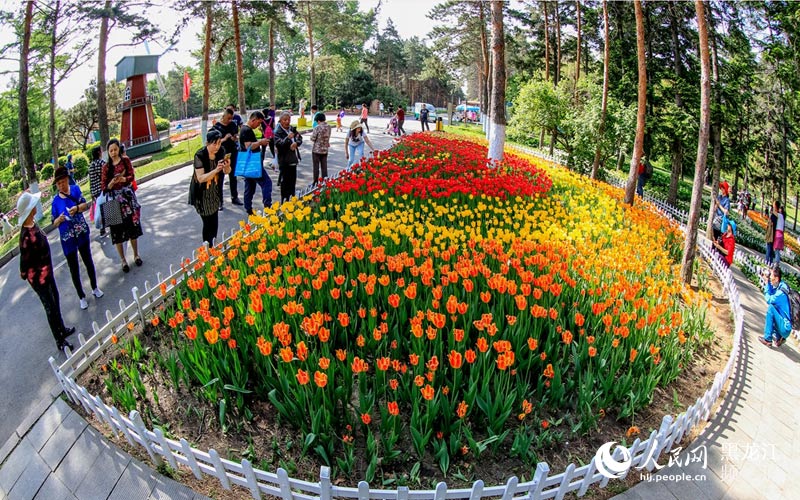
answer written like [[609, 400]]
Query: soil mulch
[[268, 444]]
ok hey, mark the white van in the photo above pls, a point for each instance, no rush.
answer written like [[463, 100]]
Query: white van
[[431, 110]]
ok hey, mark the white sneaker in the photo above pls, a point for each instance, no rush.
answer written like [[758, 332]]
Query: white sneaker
[[84, 304], [97, 293]]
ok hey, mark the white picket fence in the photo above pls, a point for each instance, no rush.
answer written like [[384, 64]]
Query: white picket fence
[[279, 484]]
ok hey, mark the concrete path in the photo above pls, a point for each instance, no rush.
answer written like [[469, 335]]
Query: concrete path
[[752, 443], [172, 229]]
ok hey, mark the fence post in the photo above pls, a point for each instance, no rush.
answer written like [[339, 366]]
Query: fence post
[[165, 449], [588, 478], [138, 300], [220, 471], [283, 482], [539, 477], [252, 483], [186, 449], [138, 424], [325, 490], [363, 490], [511, 488], [477, 490]]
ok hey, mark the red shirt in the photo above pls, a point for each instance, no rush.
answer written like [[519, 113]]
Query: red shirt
[[729, 242], [401, 114]]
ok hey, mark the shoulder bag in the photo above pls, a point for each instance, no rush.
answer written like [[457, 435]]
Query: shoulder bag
[[248, 164]]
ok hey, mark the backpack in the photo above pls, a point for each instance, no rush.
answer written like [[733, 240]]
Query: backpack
[[794, 306], [648, 169]]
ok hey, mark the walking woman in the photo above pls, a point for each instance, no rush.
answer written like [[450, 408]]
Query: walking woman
[[67, 213], [321, 137], [36, 266], [780, 223], [354, 144], [209, 163], [95, 171], [116, 183]]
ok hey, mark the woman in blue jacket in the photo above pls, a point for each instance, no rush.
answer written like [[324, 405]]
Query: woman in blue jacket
[[779, 319]]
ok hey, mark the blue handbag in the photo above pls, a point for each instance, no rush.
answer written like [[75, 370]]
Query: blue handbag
[[248, 165]]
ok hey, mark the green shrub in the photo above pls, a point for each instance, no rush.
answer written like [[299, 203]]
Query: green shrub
[[162, 124], [6, 175], [62, 160], [14, 187], [47, 171], [81, 163], [5, 201]]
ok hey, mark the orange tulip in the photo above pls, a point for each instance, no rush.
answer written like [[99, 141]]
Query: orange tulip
[[634, 352], [341, 354], [482, 345], [394, 300], [366, 418], [427, 392], [320, 379], [383, 363], [592, 351], [462, 409], [286, 354], [302, 377], [455, 359], [393, 408], [548, 371], [470, 356]]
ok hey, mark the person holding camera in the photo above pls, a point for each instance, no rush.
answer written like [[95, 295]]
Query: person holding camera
[[287, 142], [779, 319], [211, 164]]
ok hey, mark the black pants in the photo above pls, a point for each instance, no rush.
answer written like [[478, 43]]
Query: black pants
[[288, 181], [265, 183], [48, 294], [75, 272], [425, 126], [319, 160], [210, 228], [400, 126], [364, 122]]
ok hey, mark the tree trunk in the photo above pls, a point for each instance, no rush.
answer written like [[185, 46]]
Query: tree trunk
[[716, 125], [25, 146], [52, 83], [239, 65], [690, 243], [206, 72], [677, 143], [498, 131], [484, 74], [272, 63], [546, 43], [796, 204], [102, 109], [312, 77], [602, 127], [638, 143], [578, 44], [558, 46]]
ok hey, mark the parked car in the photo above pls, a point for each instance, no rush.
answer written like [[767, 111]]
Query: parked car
[[431, 110]]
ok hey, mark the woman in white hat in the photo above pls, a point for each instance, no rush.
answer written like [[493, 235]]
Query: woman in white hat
[[354, 143], [36, 266]]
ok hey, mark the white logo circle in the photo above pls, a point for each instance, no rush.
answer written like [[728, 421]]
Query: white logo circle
[[608, 466]]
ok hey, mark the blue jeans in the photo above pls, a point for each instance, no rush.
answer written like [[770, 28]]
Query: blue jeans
[[775, 325], [356, 152], [770, 256], [640, 186], [265, 182]]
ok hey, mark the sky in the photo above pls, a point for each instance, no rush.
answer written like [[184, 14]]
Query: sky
[[409, 17]]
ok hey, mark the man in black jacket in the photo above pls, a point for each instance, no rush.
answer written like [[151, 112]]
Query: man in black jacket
[[230, 135], [287, 142], [247, 140]]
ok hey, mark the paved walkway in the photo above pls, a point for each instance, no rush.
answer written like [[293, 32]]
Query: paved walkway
[[752, 444]]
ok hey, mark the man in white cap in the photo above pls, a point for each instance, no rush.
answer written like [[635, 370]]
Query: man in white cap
[[36, 266]]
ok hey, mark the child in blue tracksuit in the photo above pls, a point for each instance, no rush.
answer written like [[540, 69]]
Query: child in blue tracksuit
[[779, 320]]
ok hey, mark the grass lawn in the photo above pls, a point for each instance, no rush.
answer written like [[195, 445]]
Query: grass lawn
[[176, 154]]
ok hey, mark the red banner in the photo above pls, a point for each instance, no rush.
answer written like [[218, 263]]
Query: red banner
[[187, 84]]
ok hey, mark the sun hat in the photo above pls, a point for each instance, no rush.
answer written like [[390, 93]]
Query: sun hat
[[356, 124], [25, 204], [724, 186], [60, 173]]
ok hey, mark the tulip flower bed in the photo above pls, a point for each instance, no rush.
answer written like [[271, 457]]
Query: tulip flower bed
[[424, 308]]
